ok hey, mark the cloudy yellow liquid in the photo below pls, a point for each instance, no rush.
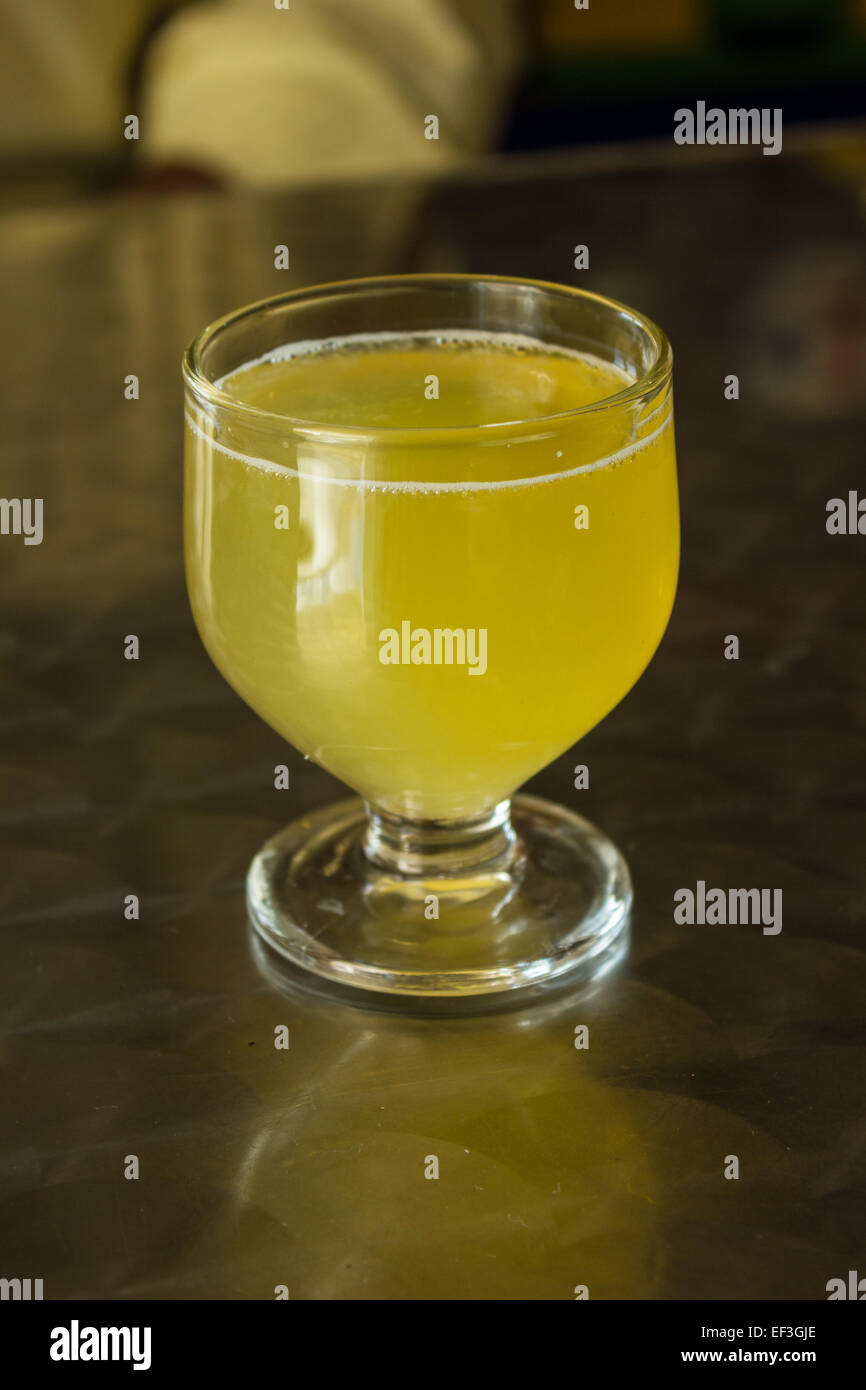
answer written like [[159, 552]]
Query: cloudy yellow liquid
[[322, 563]]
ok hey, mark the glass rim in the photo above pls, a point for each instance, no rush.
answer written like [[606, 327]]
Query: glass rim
[[215, 396]]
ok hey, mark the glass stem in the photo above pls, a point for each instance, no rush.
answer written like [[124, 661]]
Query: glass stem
[[436, 849]]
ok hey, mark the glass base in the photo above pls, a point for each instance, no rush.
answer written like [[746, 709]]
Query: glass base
[[529, 894]]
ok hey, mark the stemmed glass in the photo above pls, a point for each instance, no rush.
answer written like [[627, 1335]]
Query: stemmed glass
[[432, 537]]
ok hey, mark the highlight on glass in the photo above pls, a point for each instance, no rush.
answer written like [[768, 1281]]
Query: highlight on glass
[[432, 538]]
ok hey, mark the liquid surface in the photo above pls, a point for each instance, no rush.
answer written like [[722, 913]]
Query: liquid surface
[[471, 388], [432, 620]]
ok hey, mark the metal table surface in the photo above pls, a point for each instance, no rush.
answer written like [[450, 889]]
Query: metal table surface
[[558, 1167]]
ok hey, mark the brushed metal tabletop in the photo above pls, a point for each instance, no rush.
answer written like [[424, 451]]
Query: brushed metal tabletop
[[559, 1166]]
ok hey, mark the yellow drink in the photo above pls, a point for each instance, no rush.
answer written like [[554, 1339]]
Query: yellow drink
[[432, 616]]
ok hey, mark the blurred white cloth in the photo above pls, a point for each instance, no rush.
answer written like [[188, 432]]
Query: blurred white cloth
[[64, 69], [260, 95]]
